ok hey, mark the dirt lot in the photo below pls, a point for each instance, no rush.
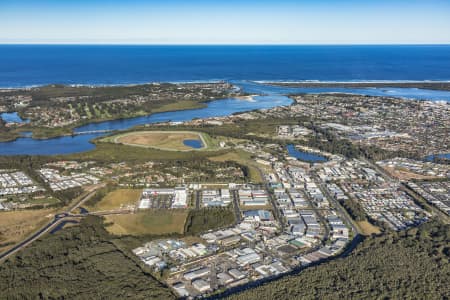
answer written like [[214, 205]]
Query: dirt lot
[[155, 222], [160, 140], [405, 174], [368, 228]]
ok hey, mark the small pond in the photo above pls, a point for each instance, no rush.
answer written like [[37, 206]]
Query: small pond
[[305, 156], [196, 144]]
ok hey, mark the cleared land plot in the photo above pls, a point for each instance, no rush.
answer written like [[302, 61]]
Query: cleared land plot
[[368, 228], [16, 225], [164, 140], [404, 174], [118, 199], [152, 222]]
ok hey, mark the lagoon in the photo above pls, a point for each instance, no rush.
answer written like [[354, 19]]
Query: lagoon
[[305, 156], [12, 117]]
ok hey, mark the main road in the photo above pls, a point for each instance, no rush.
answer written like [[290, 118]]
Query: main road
[[58, 218]]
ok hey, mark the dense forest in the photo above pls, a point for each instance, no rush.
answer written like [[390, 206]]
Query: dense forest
[[208, 218], [86, 262], [80, 262], [412, 264]]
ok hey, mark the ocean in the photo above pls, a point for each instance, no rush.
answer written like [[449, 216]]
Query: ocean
[[31, 65], [26, 65]]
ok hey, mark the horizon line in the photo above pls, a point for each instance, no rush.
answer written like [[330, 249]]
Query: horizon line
[[217, 44]]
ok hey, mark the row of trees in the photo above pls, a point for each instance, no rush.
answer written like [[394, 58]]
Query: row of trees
[[354, 209]]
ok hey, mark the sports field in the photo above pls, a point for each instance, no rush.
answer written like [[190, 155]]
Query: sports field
[[164, 140]]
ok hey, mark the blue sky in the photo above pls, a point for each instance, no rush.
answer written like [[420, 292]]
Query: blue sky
[[225, 22]]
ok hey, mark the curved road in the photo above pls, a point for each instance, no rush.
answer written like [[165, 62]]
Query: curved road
[[58, 218]]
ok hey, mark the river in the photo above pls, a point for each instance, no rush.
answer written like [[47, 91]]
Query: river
[[269, 97]]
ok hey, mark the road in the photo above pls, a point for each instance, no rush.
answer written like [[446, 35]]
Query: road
[[324, 222], [104, 213], [197, 199], [380, 170], [342, 212], [276, 209], [273, 201], [58, 218], [425, 204], [91, 191], [404, 186]]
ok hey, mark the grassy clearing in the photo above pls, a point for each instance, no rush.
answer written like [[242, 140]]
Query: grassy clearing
[[43, 201], [243, 158], [164, 140], [150, 222], [367, 228], [16, 225], [117, 199], [108, 152]]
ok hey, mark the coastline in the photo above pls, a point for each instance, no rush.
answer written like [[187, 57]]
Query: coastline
[[100, 85], [426, 85]]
